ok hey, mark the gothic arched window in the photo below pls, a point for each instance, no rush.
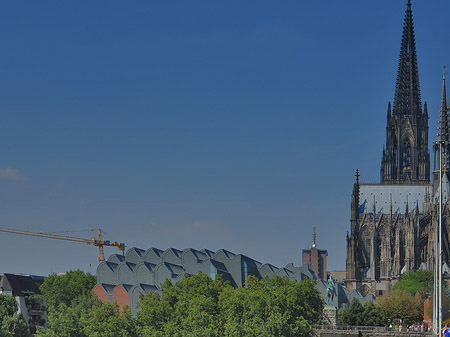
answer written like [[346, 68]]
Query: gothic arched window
[[406, 160], [395, 158], [365, 246]]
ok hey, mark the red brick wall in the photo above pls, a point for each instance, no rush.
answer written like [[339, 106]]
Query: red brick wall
[[100, 293], [305, 256], [315, 258], [121, 297], [323, 259], [426, 305]]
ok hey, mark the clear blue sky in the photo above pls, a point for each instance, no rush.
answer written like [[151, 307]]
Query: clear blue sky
[[204, 124]]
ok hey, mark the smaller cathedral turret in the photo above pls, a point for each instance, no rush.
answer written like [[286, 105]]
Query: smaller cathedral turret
[[442, 135], [355, 198], [443, 139]]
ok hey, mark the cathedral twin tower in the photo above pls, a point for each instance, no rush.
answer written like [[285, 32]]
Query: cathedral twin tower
[[392, 223], [406, 158]]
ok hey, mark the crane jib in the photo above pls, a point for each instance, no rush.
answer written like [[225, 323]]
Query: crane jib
[[96, 242]]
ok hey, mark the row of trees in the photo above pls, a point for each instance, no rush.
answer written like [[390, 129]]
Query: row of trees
[[200, 306], [194, 306], [405, 302], [396, 305]]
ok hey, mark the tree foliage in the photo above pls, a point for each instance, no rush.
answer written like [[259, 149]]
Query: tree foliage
[[271, 307], [367, 314], [188, 308], [67, 296], [11, 324], [102, 320], [195, 306], [65, 321], [58, 289], [200, 306], [416, 281], [106, 320], [400, 304]]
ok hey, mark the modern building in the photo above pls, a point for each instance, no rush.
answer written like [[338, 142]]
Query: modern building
[[316, 259], [122, 279], [23, 288], [393, 223]]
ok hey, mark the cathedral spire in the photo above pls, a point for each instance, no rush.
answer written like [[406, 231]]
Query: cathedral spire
[[442, 135], [407, 99], [406, 159]]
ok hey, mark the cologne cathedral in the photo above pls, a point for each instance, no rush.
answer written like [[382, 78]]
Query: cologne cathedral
[[393, 223]]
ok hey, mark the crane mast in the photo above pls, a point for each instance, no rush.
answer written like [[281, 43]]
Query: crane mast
[[98, 242]]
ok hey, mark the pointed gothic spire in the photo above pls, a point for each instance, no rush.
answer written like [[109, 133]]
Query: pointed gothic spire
[[355, 197], [407, 99], [407, 159], [443, 119]]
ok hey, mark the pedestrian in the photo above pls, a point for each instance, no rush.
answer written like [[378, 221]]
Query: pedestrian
[[446, 332]]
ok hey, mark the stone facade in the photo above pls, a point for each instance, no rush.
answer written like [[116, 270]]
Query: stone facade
[[393, 224]]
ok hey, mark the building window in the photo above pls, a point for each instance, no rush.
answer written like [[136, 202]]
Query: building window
[[406, 154], [212, 271], [244, 271]]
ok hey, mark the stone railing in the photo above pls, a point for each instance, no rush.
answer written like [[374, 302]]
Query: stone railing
[[364, 331]]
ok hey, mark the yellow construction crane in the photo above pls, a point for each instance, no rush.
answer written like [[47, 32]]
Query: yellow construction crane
[[99, 242]]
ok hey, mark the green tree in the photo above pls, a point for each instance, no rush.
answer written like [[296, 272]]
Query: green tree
[[106, 320], [57, 289], [11, 324], [62, 322], [271, 307], [374, 315], [188, 308], [400, 304], [352, 315], [68, 297], [416, 281], [367, 314], [200, 306]]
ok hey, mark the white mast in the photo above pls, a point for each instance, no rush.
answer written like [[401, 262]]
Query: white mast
[[440, 244]]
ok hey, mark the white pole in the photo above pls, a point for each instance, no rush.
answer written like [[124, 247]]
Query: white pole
[[436, 292], [435, 288], [440, 242]]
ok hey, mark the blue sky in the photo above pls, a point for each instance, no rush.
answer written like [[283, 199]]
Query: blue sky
[[204, 124]]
